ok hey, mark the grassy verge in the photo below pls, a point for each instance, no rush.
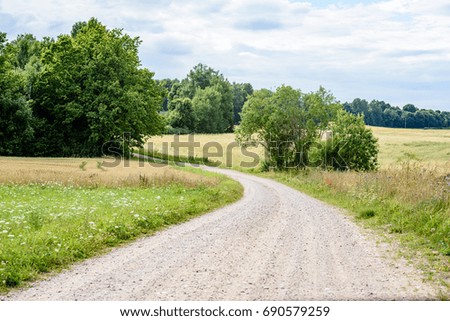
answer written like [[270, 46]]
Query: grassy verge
[[173, 159], [410, 202], [47, 225]]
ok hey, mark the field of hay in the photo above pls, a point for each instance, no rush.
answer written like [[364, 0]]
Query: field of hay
[[95, 172], [424, 145]]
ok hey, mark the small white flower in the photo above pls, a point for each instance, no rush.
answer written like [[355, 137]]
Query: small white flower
[[158, 197]]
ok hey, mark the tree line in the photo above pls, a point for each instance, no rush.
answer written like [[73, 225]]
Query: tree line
[[379, 113]]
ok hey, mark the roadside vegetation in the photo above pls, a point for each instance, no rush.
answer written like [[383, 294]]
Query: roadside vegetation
[[54, 212]]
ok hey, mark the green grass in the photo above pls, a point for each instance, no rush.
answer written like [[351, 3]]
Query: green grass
[[46, 227]]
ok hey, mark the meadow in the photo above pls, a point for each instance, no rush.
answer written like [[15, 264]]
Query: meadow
[[427, 146], [54, 212], [407, 200]]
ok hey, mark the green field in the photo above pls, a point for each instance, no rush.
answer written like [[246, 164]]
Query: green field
[[54, 212]]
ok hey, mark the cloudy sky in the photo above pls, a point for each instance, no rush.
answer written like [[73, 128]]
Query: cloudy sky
[[393, 50]]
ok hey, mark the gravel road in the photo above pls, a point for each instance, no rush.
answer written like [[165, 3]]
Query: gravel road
[[274, 244]]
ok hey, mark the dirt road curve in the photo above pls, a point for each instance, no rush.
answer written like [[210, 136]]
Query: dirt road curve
[[274, 244]]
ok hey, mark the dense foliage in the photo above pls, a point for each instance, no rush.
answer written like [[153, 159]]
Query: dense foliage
[[379, 113], [16, 116], [82, 94], [351, 145], [215, 102]]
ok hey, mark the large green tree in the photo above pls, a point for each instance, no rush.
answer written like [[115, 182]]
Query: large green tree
[[208, 118], [92, 94]]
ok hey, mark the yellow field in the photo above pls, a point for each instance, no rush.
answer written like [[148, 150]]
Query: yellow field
[[217, 147], [94, 172], [423, 145], [431, 147]]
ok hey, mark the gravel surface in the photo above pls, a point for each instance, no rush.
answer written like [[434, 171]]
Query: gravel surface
[[274, 244]]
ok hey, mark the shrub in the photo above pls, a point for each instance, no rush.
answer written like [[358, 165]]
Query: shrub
[[352, 146]]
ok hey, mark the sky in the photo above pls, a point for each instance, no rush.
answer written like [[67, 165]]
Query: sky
[[397, 51]]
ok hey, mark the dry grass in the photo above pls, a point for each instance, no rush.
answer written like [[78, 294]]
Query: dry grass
[[409, 183], [95, 172], [427, 146], [222, 146]]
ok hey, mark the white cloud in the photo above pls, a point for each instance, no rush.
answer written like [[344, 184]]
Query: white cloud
[[396, 50]]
